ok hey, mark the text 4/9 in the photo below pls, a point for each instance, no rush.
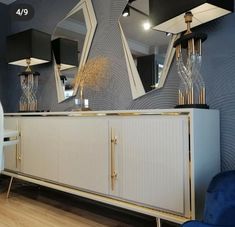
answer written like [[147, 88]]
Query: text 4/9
[[22, 12]]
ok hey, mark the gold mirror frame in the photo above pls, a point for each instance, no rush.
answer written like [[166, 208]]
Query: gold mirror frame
[[91, 23]]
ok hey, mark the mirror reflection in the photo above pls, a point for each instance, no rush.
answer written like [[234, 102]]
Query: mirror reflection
[[148, 47], [71, 42], [68, 41]]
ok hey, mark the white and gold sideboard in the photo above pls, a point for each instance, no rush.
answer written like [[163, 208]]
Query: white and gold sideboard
[[156, 162]]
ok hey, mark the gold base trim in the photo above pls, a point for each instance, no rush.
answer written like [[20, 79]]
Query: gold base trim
[[100, 198]]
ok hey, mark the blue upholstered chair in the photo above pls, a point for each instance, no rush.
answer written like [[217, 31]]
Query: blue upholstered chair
[[219, 208]]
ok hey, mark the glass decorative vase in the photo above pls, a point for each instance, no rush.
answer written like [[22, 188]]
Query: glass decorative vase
[[29, 86], [81, 104]]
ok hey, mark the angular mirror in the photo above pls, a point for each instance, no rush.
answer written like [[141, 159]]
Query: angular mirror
[[148, 52], [71, 43]]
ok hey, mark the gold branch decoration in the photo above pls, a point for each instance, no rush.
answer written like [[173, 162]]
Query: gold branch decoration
[[92, 74]]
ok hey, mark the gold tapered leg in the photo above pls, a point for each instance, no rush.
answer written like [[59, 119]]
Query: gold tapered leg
[[9, 187], [158, 220]]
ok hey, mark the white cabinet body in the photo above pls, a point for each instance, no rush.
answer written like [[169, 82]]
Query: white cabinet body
[[158, 162]]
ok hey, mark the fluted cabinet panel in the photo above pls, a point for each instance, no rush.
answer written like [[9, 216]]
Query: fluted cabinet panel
[[154, 157]]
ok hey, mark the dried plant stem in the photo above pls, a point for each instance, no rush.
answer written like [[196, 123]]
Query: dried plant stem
[[92, 74]]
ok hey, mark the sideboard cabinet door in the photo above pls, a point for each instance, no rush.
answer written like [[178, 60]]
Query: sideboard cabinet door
[[153, 161], [83, 153], [12, 153], [72, 151], [39, 147]]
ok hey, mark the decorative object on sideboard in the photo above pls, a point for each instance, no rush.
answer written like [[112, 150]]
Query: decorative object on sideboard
[[80, 105], [192, 92], [65, 52], [25, 49], [29, 87], [93, 75]]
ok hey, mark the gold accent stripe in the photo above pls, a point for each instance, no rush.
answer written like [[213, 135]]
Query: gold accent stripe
[[97, 114]]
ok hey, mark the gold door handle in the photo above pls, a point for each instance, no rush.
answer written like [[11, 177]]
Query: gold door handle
[[18, 155], [113, 178], [113, 171]]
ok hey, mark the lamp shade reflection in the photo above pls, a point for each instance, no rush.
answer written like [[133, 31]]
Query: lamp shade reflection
[[65, 52]]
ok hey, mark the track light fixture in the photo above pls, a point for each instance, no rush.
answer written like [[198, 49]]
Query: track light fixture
[[168, 34], [126, 11]]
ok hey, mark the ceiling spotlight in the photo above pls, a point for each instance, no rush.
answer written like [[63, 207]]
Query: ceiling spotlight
[[126, 11], [147, 26]]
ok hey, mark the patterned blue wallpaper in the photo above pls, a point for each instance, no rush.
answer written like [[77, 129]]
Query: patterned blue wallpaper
[[4, 25], [218, 68]]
